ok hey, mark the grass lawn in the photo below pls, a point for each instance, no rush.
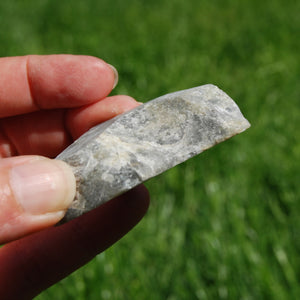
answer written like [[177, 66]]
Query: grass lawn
[[225, 224]]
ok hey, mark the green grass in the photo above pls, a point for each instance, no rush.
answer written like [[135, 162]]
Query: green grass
[[224, 225]]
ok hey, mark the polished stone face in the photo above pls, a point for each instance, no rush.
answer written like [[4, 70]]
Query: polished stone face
[[117, 155]]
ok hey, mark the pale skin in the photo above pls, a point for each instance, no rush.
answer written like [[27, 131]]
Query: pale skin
[[46, 102]]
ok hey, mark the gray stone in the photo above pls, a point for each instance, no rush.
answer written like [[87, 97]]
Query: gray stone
[[115, 156]]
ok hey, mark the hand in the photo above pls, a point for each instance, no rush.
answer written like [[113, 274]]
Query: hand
[[45, 103]]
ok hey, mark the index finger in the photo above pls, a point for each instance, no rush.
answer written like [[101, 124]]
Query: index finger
[[30, 83]]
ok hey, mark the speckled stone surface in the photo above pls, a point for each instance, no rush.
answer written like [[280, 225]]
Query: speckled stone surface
[[117, 155]]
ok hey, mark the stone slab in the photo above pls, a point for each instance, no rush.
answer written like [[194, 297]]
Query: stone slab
[[117, 155]]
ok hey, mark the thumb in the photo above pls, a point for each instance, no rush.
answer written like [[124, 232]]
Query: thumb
[[34, 193]]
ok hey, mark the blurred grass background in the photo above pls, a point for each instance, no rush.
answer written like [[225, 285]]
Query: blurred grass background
[[224, 225]]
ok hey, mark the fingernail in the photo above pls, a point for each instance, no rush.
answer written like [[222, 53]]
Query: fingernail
[[116, 74], [43, 186]]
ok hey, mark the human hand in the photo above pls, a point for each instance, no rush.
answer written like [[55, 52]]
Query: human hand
[[45, 103]]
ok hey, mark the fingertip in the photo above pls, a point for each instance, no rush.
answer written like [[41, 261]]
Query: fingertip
[[79, 120], [69, 80], [36, 191], [42, 186]]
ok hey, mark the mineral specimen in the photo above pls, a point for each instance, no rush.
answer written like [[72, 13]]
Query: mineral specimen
[[115, 156]]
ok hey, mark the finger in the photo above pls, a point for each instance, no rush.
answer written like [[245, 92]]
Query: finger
[[30, 83], [39, 133], [36, 262], [47, 133], [80, 120], [34, 193]]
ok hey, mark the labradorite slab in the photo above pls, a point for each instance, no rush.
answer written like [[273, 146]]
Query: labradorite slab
[[115, 156]]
